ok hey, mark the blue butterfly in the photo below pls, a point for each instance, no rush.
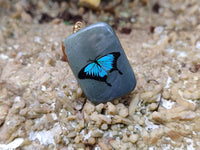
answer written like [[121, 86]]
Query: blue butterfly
[[99, 68]]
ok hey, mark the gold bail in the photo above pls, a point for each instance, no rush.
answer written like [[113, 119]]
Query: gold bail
[[78, 26]]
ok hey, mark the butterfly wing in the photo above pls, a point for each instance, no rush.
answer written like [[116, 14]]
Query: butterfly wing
[[109, 62], [98, 70], [93, 71]]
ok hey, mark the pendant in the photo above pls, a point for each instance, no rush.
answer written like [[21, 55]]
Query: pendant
[[99, 63]]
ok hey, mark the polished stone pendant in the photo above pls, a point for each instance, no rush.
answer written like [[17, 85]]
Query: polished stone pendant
[[99, 63]]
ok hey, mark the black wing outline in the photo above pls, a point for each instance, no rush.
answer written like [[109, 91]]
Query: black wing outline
[[85, 75]]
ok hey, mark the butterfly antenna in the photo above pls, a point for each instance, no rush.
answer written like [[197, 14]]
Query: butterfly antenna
[[90, 60], [108, 83], [119, 72]]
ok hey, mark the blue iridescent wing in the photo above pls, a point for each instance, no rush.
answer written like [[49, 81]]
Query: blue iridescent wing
[[93, 71], [109, 62], [106, 62], [99, 68]]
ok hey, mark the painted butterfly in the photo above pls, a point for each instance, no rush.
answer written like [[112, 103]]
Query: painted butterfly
[[99, 68]]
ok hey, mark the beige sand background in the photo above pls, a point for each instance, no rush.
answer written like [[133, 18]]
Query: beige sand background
[[42, 106]]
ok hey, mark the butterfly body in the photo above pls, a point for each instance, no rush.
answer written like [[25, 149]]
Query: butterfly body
[[100, 68]]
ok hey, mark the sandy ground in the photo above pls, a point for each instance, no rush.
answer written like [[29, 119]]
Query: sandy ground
[[41, 104]]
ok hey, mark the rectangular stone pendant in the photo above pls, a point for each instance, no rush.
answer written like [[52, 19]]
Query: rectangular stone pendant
[[99, 63]]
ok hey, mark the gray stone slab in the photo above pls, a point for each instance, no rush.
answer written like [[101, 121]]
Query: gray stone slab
[[99, 42]]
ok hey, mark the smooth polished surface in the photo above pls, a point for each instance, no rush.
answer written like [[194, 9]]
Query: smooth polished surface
[[99, 42]]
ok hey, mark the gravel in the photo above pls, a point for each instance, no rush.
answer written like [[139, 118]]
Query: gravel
[[43, 107]]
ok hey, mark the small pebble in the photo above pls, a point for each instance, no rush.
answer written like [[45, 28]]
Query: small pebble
[[130, 128], [104, 126], [4, 57], [111, 108], [79, 92], [122, 110], [97, 133], [153, 106], [159, 29], [43, 88], [133, 138], [89, 108], [91, 141], [198, 44], [99, 107]]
